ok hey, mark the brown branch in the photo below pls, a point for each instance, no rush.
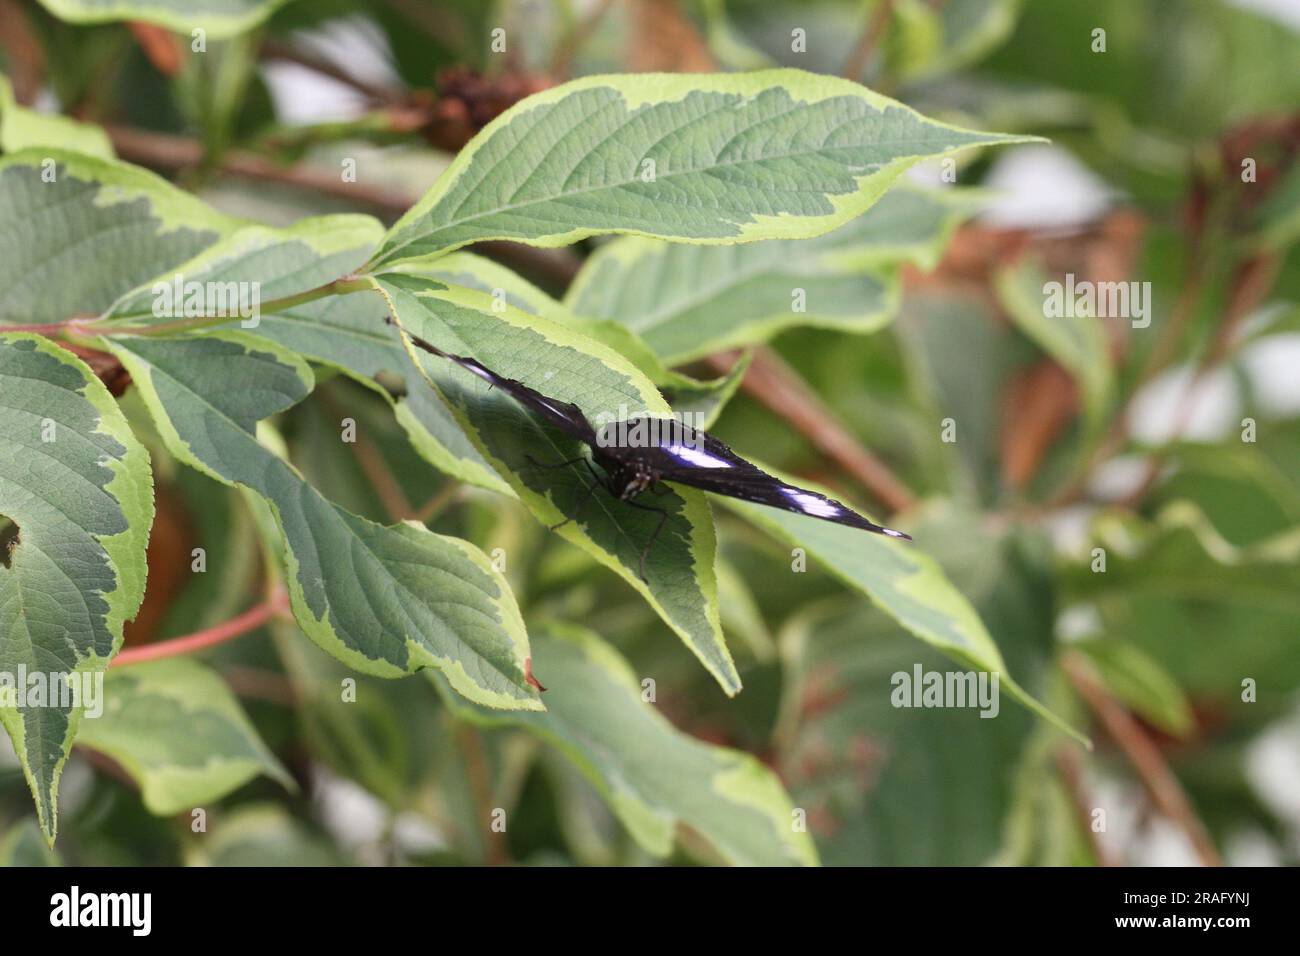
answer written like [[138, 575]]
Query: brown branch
[[380, 476], [237, 626], [287, 53], [26, 57], [1157, 778], [172, 153], [162, 47], [434, 506], [165, 151], [777, 386], [1071, 770], [480, 782], [869, 40], [574, 39], [1253, 280]]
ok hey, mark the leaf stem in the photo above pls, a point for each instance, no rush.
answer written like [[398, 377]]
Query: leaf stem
[[341, 286], [253, 618]]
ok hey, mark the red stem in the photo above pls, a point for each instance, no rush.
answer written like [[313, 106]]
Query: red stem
[[251, 619]]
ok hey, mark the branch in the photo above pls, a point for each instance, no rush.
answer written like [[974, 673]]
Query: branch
[[574, 39], [237, 626], [173, 153], [869, 40], [778, 387], [275, 50], [1254, 278], [1157, 778], [1069, 765], [381, 478], [165, 151], [480, 782], [435, 505]]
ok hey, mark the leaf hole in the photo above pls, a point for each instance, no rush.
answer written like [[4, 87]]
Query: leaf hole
[[8, 540]]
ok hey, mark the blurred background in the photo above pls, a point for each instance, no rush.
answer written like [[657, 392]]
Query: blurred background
[[1167, 443]]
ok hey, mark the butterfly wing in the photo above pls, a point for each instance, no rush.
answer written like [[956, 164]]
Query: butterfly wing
[[697, 459], [564, 415]]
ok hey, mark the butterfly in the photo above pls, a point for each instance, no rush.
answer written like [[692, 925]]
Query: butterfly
[[636, 455]]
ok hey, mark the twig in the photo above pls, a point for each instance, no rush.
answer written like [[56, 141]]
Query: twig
[[480, 782], [275, 50], [573, 40], [1067, 761], [779, 387], [434, 506], [26, 58], [172, 153], [437, 21], [237, 626], [165, 151], [1159, 781], [390, 493], [1254, 279], [870, 38]]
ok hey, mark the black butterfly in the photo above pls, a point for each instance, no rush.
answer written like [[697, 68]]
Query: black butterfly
[[637, 454]]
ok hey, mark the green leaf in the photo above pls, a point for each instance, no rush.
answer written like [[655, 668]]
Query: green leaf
[[344, 332], [1078, 343], [384, 600], [688, 301], [702, 398], [265, 834], [904, 582], [777, 154], [887, 785], [927, 39], [1239, 71], [21, 128], [565, 366], [653, 776], [270, 263], [75, 242], [76, 504], [348, 333], [176, 728], [1277, 218], [219, 18], [741, 615]]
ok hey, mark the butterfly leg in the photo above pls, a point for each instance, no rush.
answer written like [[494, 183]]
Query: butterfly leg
[[582, 505], [597, 482], [663, 518], [559, 464]]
